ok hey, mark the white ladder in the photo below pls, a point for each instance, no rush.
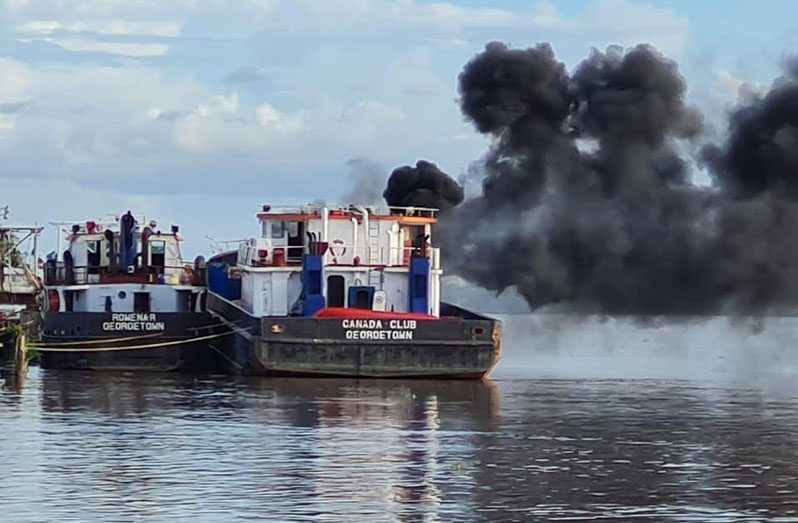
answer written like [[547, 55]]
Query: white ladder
[[374, 243], [375, 279]]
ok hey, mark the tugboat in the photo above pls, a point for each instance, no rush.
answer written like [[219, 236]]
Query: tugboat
[[346, 292], [122, 298]]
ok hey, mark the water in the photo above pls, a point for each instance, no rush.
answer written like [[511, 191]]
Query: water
[[572, 429]]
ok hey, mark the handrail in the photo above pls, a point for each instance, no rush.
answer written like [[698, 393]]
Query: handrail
[[386, 256], [57, 274], [374, 209]]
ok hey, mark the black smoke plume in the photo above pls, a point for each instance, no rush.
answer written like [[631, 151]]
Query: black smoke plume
[[424, 185], [588, 199]]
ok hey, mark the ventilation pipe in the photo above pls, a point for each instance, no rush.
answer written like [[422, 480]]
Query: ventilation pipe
[[127, 243]]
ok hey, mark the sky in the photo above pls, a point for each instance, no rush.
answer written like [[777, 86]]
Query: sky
[[197, 112]]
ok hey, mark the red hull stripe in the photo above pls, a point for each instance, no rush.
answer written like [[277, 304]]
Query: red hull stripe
[[342, 312]]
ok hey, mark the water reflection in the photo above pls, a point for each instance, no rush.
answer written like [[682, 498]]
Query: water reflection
[[163, 444], [183, 448], [12, 379]]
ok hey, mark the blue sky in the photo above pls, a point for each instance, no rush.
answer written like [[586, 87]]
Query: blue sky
[[198, 111]]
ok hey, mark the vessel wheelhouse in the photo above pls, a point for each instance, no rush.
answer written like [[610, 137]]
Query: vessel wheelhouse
[[349, 291], [122, 297], [20, 283]]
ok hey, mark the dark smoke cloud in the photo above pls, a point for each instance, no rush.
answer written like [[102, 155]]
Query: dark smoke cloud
[[588, 200], [424, 185], [762, 150]]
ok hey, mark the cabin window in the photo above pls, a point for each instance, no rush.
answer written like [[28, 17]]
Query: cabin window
[[141, 302], [363, 299], [296, 231], [93, 256], [69, 300], [184, 301], [157, 254], [335, 291], [278, 229]]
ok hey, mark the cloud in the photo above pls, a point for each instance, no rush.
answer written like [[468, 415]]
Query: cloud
[[11, 108], [148, 90], [245, 74], [380, 14], [732, 88], [221, 125], [620, 22], [269, 117], [135, 50], [114, 27], [7, 124]]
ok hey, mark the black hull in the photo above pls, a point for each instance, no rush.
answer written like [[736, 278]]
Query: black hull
[[465, 346], [172, 349]]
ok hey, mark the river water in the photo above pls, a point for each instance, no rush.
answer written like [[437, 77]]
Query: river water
[[583, 420]]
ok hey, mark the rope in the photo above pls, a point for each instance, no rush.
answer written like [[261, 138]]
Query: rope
[[114, 340], [45, 348], [103, 340]]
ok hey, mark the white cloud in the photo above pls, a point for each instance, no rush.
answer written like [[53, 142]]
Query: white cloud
[[7, 124], [134, 50], [371, 14], [220, 125], [546, 16], [112, 27], [269, 117], [390, 97], [605, 21], [733, 89], [12, 6], [618, 21]]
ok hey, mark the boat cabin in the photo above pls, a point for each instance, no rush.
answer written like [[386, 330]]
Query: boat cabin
[[105, 257], [311, 257], [20, 281]]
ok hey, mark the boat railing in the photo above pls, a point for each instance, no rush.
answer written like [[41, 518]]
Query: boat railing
[[344, 254], [58, 274], [378, 210]]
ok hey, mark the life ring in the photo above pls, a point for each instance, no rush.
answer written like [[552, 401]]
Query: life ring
[[337, 249]]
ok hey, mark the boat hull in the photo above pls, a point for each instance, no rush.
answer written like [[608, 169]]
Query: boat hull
[[451, 348], [169, 343]]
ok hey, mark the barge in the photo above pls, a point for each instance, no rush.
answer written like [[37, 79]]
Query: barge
[[121, 298], [344, 292]]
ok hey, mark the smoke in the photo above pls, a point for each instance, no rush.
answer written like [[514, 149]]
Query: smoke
[[761, 153], [424, 185], [366, 179], [588, 200]]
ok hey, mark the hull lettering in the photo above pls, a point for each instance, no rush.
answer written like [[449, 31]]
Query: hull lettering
[[136, 321], [378, 330]]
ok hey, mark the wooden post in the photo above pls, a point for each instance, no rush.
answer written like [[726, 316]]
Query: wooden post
[[20, 356]]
